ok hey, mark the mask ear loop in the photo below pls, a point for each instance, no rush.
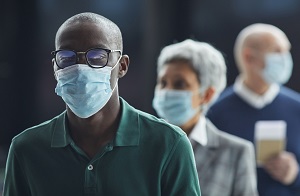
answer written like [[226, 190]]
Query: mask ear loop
[[117, 62], [113, 69], [112, 90]]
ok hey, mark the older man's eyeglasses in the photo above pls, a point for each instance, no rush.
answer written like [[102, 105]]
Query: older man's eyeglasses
[[95, 57]]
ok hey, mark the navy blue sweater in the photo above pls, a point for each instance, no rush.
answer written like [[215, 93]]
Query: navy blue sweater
[[235, 116]]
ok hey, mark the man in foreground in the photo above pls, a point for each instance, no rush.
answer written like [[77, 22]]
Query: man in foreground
[[100, 145]]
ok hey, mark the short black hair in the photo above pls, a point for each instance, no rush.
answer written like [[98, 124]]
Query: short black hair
[[88, 17]]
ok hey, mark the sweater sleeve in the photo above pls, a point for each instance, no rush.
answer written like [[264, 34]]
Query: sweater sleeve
[[296, 184]]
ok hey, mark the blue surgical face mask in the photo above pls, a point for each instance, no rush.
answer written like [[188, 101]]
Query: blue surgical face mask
[[278, 67], [84, 89], [175, 106]]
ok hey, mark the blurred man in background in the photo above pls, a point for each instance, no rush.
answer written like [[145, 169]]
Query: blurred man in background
[[262, 54]]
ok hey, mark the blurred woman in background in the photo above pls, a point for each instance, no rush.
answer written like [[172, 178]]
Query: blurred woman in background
[[190, 76]]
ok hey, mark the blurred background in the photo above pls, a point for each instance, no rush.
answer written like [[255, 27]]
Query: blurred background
[[28, 30]]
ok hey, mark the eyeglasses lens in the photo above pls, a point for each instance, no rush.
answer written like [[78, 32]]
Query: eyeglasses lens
[[65, 58], [97, 57]]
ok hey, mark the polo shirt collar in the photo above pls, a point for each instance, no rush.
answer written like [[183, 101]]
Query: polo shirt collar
[[61, 136], [128, 133], [255, 100]]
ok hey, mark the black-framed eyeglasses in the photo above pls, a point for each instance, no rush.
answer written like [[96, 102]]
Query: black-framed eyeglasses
[[95, 57]]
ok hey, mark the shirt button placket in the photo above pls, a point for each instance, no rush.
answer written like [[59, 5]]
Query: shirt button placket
[[90, 182]]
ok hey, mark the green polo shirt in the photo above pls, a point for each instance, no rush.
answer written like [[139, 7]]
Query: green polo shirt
[[148, 157]]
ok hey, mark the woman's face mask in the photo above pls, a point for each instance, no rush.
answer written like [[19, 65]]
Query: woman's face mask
[[175, 106], [177, 97]]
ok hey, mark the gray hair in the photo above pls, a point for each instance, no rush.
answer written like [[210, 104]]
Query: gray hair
[[208, 63]]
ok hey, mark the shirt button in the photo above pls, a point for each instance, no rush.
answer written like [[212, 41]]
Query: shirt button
[[109, 147], [90, 167]]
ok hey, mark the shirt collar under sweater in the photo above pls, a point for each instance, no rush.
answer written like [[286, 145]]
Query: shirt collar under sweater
[[255, 100]]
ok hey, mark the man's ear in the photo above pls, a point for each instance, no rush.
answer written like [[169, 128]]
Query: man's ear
[[54, 68], [248, 56], [124, 64]]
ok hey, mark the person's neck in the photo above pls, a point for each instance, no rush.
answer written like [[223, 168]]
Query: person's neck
[[92, 133], [188, 127], [257, 85]]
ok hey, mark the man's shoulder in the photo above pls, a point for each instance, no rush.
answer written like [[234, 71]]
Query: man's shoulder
[[227, 92], [35, 133], [226, 100], [149, 123], [288, 93], [158, 135], [155, 124], [227, 95]]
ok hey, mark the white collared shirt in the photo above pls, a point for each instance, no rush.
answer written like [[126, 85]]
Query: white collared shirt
[[253, 99], [199, 133]]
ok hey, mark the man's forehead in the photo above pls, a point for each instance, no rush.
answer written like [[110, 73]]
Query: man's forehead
[[92, 34], [276, 41], [265, 39], [81, 27]]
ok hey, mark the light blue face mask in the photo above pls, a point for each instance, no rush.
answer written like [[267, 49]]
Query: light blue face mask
[[278, 67], [84, 89], [175, 106]]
